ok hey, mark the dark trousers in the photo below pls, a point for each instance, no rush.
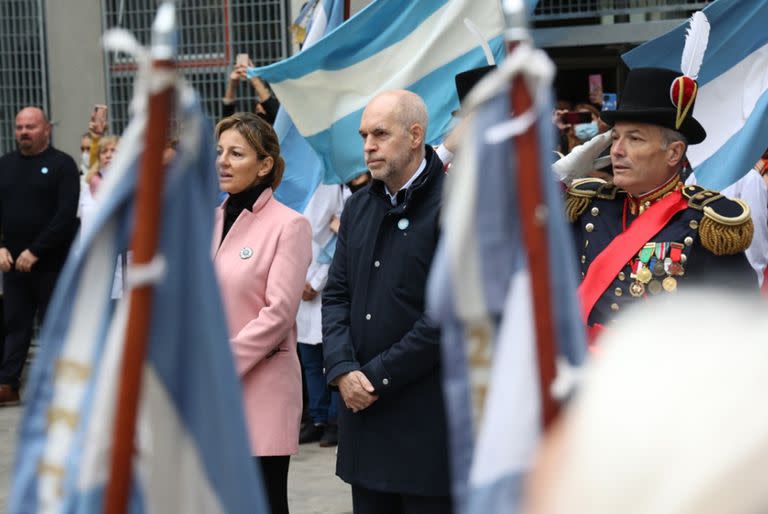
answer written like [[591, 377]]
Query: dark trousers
[[367, 501], [24, 295], [322, 402], [274, 474]]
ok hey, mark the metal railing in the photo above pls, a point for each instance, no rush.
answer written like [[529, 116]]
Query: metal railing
[[569, 9], [23, 63], [212, 33]]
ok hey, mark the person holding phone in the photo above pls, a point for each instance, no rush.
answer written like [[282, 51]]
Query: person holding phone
[[261, 252], [266, 106], [581, 124]]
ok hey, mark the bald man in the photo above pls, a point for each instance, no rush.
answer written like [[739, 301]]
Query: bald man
[[39, 188], [381, 350]]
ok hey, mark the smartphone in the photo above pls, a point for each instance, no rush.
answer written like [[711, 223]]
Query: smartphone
[[596, 83], [609, 101], [575, 117], [99, 118], [242, 60]]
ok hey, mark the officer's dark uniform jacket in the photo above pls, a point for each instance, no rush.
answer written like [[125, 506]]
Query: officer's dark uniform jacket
[[374, 321], [702, 244]]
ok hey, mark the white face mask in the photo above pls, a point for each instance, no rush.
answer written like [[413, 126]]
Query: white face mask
[[85, 159]]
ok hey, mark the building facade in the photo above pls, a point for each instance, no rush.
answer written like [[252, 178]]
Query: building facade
[[50, 52]]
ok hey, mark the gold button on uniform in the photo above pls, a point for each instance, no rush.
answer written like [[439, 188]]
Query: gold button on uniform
[[683, 258], [622, 276], [688, 241], [589, 227], [618, 291], [583, 259], [595, 211], [586, 243], [693, 224], [614, 307]]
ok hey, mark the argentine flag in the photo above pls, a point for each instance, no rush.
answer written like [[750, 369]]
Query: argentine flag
[[732, 102], [303, 168], [480, 290], [390, 44], [192, 454]]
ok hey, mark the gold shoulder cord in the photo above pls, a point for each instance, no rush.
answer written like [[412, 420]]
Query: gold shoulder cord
[[578, 199], [723, 235]]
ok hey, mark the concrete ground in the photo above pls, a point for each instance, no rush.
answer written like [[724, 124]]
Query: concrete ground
[[312, 486]]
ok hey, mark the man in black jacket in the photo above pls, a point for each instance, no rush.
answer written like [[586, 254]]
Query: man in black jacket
[[381, 349], [39, 188]]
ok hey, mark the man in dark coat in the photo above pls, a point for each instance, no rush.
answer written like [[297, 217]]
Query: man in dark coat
[[381, 349]]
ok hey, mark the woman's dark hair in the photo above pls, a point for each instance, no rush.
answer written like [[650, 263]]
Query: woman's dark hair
[[261, 137]]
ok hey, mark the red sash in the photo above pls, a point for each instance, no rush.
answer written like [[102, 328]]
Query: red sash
[[616, 255]]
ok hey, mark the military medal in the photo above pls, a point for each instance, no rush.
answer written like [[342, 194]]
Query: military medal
[[676, 255], [636, 289], [654, 287], [660, 253], [669, 284], [644, 275]]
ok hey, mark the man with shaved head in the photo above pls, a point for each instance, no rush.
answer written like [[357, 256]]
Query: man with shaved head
[[381, 349], [39, 188]]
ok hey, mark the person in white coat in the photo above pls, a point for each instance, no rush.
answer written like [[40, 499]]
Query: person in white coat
[[326, 203]]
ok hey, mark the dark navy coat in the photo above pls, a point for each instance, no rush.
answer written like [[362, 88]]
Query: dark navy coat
[[374, 321], [605, 218]]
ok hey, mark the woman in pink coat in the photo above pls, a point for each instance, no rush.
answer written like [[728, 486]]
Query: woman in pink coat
[[261, 252]]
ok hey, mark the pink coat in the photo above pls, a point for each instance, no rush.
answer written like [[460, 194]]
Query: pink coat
[[261, 266]]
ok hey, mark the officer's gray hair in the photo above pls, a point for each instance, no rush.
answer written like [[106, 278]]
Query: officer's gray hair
[[669, 136]]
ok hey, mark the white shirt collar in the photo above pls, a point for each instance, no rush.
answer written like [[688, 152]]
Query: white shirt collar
[[393, 197]]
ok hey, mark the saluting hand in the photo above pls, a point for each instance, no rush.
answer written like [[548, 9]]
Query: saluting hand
[[6, 261], [356, 391], [25, 261]]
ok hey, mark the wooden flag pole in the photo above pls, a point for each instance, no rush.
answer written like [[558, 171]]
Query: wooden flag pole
[[144, 243], [347, 9], [533, 215]]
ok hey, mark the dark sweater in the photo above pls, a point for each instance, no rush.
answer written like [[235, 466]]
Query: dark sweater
[[38, 205]]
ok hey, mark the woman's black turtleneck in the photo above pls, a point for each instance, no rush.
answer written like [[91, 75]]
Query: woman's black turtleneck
[[239, 201]]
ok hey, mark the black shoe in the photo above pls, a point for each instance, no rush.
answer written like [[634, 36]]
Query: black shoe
[[311, 433], [330, 436]]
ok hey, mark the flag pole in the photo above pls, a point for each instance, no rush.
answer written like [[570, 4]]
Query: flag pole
[[533, 214], [346, 9], [144, 243]]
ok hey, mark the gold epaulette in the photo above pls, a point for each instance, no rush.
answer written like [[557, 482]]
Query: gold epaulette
[[726, 227], [580, 194]]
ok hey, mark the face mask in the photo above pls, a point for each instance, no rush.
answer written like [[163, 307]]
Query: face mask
[[585, 131], [85, 159]]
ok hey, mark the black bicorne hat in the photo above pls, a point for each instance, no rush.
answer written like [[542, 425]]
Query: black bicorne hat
[[466, 80], [660, 97]]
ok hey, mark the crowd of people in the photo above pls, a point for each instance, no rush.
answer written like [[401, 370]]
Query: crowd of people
[[326, 309]]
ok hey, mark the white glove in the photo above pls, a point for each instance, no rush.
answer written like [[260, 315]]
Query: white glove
[[581, 161]]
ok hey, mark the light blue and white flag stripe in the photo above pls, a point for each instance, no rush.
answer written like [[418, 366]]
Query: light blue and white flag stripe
[[481, 271], [390, 44], [732, 102], [192, 455], [303, 168]]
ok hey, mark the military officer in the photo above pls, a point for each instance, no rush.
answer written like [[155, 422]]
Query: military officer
[[647, 234]]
